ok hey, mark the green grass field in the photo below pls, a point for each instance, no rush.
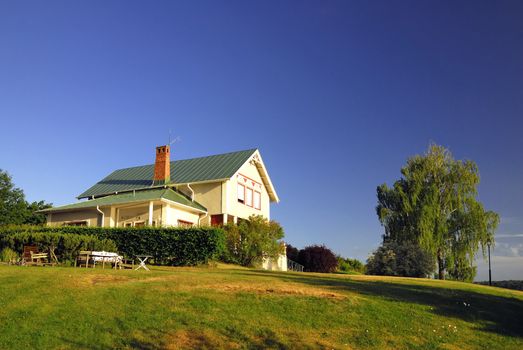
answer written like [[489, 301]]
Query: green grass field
[[235, 308]]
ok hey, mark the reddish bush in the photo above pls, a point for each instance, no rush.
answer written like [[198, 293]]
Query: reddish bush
[[318, 258], [292, 253]]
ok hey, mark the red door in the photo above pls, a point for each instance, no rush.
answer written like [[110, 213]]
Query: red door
[[217, 220]]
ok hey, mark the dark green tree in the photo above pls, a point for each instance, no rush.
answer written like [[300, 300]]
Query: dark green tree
[[435, 205], [405, 259], [14, 209], [34, 218]]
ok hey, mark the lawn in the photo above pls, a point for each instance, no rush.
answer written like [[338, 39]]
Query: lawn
[[212, 308]]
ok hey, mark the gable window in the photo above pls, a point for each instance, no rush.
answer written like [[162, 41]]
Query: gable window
[[248, 197], [241, 193], [257, 200]]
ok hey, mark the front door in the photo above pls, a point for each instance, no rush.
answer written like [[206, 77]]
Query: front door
[[217, 220]]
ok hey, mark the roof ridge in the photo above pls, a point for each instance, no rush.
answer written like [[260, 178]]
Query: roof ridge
[[212, 167], [180, 160]]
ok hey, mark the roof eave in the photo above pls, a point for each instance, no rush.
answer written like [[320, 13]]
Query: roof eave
[[266, 178], [94, 204], [183, 205], [152, 187]]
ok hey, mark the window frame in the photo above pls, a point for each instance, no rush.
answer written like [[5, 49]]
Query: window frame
[[139, 223], [76, 223], [238, 193], [183, 223], [252, 197], [256, 204]]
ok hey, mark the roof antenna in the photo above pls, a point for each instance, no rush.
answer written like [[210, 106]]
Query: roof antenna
[[176, 139]]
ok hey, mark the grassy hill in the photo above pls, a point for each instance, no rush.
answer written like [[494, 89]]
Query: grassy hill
[[178, 308]]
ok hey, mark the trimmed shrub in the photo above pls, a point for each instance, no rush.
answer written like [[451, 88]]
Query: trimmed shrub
[[318, 258], [63, 246], [171, 246]]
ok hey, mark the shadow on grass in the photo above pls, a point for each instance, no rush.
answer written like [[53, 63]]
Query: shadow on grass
[[156, 339], [502, 315], [151, 339]]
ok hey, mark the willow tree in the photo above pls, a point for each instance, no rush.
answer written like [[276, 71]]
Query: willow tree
[[435, 204]]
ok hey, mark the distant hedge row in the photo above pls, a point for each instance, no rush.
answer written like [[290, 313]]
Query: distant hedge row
[[167, 246]]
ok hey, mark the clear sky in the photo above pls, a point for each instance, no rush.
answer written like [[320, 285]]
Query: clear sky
[[336, 95]]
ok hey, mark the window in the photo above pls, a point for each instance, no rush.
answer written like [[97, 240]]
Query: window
[[183, 223], [241, 193], [257, 200], [75, 223], [248, 197]]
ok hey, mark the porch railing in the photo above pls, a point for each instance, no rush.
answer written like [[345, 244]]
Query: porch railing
[[294, 266]]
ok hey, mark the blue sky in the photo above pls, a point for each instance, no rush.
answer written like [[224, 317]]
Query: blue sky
[[336, 94]]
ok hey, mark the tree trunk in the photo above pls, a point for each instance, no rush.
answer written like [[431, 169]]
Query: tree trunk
[[441, 267]]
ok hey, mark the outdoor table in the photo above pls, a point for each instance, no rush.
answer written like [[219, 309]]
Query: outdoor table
[[143, 259], [106, 256]]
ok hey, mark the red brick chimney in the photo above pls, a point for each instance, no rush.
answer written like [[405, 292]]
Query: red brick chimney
[[162, 166]]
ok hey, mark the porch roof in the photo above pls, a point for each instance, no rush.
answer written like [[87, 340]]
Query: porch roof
[[130, 197]]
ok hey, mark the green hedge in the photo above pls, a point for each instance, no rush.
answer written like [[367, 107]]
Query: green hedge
[[168, 246], [65, 246]]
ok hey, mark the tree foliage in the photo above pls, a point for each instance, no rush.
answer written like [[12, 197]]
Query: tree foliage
[[12, 201], [252, 240], [292, 253], [350, 265], [14, 209], [435, 204], [318, 258], [400, 259]]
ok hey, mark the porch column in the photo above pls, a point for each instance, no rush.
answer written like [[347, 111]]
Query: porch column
[[150, 222], [112, 217], [166, 221], [225, 197]]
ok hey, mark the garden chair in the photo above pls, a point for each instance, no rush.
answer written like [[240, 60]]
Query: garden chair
[[127, 264], [26, 255], [32, 256]]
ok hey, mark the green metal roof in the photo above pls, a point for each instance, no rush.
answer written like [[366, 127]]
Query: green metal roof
[[217, 167], [129, 197]]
